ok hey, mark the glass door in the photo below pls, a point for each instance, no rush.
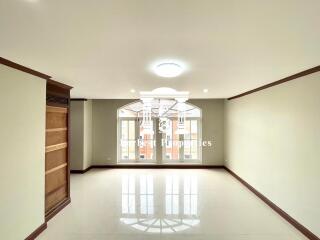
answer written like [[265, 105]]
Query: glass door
[[127, 140], [182, 147], [146, 144], [135, 144]]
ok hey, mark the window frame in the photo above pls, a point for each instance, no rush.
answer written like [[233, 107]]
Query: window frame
[[159, 158], [181, 158], [137, 158]]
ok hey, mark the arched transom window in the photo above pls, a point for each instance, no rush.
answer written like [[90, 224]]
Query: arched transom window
[[166, 138]]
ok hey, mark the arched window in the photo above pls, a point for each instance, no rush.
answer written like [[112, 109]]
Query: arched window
[[164, 141]]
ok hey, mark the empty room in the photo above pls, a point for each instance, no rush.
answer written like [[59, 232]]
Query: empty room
[[172, 119]]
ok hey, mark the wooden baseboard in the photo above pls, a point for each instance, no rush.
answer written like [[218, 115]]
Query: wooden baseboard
[[150, 166], [174, 166], [57, 209], [37, 232], [80, 171], [306, 232]]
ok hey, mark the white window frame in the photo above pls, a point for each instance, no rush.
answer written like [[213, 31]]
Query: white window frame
[[137, 134], [181, 150]]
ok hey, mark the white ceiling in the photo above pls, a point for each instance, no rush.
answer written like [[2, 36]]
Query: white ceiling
[[103, 48]]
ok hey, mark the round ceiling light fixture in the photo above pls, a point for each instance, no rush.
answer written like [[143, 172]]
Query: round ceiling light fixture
[[168, 69]]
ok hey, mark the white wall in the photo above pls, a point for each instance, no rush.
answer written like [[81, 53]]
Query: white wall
[[76, 132], [87, 134], [81, 134], [273, 143], [22, 149]]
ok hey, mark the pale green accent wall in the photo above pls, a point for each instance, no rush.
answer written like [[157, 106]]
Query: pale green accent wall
[[22, 144], [104, 124], [105, 129], [273, 143], [81, 135], [212, 129]]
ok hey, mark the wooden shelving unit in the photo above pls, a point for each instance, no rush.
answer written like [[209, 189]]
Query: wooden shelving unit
[[57, 170]]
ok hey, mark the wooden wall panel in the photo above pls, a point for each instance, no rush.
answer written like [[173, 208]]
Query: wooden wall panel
[[56, 197], [56, 120], [56, 158], [56, 136], [56, 179]]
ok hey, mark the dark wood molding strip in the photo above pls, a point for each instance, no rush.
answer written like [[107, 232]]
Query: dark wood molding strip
[[149, 166], [37, 232], [306, 232], [23, 68], [80, 171], [57, 209], [58, 84], [79, 99], [283, 80]]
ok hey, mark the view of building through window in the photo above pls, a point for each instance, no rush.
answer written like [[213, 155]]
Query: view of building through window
[[136, 144], [145, 143], [185, 146], [172, 143]]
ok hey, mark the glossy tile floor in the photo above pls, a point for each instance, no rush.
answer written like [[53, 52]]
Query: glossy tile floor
[[139, 204]]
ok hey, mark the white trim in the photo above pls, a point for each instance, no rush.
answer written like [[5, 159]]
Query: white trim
[[137, 134]]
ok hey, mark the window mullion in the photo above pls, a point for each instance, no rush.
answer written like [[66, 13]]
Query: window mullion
[[136, 137]]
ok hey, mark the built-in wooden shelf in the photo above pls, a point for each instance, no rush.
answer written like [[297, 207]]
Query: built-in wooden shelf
[[56, 189], [56, 147], [56, 168], [52, 109], [56, 129]]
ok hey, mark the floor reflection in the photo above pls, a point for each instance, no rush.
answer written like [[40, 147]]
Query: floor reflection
[[177, 211]]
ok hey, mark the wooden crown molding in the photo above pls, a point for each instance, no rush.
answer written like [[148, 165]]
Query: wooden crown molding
[[283, 80], [23, 68], [58, 84]]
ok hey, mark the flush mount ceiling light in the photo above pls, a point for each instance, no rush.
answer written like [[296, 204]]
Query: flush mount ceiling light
[[168, 69]]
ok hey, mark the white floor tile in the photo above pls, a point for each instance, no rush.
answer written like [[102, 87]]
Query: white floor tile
[[165, 204]]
